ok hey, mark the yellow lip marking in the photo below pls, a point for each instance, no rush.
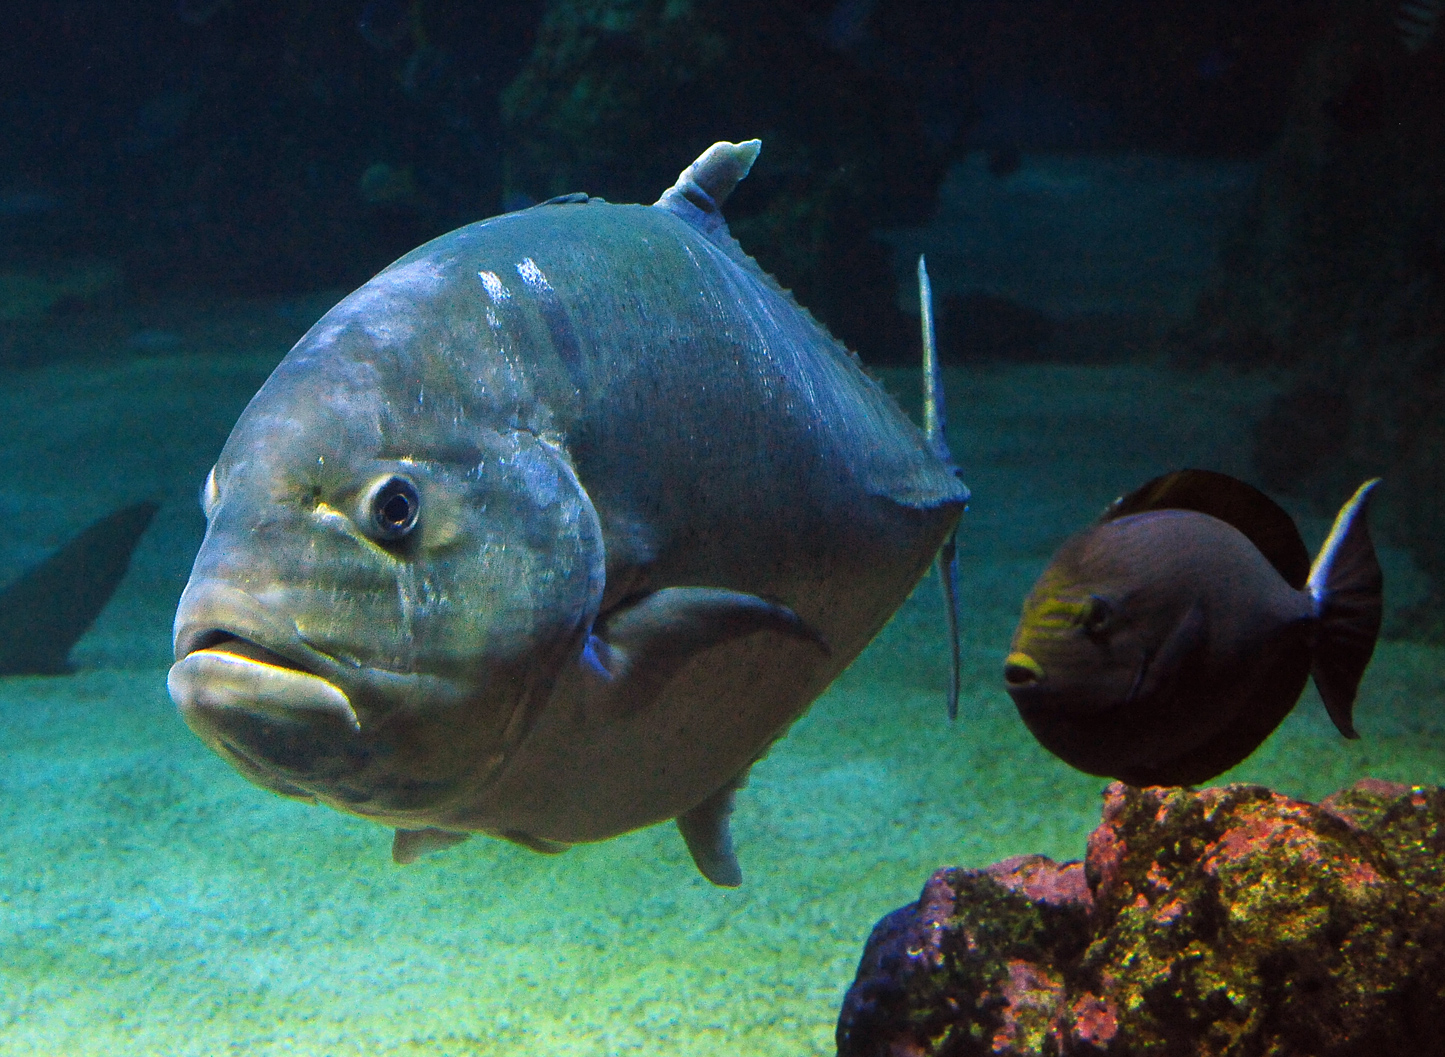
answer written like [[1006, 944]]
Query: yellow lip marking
[[1023, 660]]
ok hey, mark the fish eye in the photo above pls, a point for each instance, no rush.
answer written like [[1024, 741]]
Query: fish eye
[[394, 508], [1097, 617]]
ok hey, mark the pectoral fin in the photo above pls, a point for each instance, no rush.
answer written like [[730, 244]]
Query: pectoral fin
[[637, 649], [537, 844], [709, 840], [1166, 662]]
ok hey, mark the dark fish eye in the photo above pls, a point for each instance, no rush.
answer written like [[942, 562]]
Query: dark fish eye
[[395, 506], [1097, 617]]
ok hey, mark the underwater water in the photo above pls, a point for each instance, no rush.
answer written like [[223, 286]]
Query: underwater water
[[1197, 234], [152, 901]]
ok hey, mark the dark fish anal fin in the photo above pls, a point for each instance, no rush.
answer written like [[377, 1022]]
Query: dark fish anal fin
[[409, 845], [43, 613], [1347, 587], [1229, 499], [638, 648], [709, 839]]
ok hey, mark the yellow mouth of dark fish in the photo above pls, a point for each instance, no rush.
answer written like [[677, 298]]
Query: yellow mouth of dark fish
[[1021, 671]]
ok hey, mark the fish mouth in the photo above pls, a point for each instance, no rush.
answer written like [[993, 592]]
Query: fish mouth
[[245, 677], [1021, 672], [223, 671]]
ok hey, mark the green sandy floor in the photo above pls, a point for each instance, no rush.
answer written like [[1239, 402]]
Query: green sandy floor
[[151, 902]]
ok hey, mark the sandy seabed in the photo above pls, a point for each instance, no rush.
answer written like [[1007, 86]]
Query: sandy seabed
[[152, 902]]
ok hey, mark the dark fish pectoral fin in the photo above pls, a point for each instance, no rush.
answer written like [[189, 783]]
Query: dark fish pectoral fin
[[1347, 587], [709, 840], [1170, 657], [409, 845], [641, 647]]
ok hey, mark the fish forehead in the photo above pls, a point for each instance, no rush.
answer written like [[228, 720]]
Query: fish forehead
[[1154, 565]]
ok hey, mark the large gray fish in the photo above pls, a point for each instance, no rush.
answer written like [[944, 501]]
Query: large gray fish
[[1162, 645], [550, 529]]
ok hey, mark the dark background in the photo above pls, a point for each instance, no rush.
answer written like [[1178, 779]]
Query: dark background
[[227, 143]]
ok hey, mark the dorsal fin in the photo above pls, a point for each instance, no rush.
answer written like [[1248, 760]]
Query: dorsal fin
[[703, 187], [1232, 501]]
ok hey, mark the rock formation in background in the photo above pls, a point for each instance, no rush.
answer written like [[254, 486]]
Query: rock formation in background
[[1339, 274], [1225, 921]]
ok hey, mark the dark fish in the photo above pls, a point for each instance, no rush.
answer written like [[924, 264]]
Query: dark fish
[[1164, 644], [43, 613], [551, 529]]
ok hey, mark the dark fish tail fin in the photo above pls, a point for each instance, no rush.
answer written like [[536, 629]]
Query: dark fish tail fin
[[1347, 587], [935, 422]]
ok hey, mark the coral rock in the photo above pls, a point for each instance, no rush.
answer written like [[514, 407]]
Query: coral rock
[[1224, 921]]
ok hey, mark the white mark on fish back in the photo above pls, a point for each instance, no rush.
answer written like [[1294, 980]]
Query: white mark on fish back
[[497, 292], [492, 284], [532, 276]]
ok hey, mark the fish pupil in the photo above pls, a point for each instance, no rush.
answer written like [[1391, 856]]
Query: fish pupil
[[395, 507]]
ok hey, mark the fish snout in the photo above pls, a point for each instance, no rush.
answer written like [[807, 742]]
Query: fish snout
[[1022, 672], [248, 685]]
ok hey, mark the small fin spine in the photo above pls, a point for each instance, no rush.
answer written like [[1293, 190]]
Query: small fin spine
[[1347, 588]]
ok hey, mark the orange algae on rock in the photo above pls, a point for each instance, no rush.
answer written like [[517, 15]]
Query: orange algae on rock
[[1222, 921]]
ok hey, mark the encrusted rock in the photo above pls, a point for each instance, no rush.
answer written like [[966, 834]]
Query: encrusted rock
[[1224, 921]]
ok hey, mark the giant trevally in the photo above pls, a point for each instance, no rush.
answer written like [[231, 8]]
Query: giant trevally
[[1163, 644], [550, 529]]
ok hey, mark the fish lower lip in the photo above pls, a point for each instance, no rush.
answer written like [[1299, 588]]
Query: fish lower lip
[[237, 674]]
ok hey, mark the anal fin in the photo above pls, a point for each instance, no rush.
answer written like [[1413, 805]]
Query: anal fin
[[709, 839], [409, 845], [540, 845]]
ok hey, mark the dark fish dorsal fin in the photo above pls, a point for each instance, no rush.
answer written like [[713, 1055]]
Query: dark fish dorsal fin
[[1232, 501]]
